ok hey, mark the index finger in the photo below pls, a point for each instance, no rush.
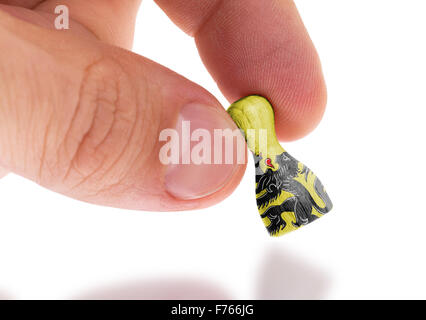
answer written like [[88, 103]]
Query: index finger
[[258, 47]]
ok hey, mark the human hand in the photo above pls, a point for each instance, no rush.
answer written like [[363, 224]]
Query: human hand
[[81, 115]]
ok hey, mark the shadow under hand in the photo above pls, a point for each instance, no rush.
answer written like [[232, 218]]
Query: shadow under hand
[[285, 276], [5, 297], [173, 289]]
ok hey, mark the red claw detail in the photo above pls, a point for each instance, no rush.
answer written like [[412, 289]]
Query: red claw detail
[[269, 163]]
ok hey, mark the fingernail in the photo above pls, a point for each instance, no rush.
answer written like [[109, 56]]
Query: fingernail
[[189, 179]]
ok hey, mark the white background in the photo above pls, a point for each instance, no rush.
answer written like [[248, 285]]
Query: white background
[[369, 151]]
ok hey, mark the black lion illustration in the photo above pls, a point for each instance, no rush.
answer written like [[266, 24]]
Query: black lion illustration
[[275, 182]]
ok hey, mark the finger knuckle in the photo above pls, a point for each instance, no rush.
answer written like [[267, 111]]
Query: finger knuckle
[[101, 128]]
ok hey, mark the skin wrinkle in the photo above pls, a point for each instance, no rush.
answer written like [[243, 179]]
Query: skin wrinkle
[[145, 120], [74, 159], [7, 77], [73, 119], [143, 153], [109, 133], [120, 181], [114, 114], [51, 135], [76, 109], [142, 139], [139, 157], [44, 147], [40, 102], [6, 98], [106, 135], [124, 149]]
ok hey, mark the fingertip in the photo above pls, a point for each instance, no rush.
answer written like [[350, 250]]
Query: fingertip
[[210, 154], [264, 49], [299, 112], [297, 93]]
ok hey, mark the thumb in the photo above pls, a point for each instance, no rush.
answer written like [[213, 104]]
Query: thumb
[[84, 119]]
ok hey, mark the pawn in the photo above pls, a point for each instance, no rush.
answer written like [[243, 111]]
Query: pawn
[[288, 194]]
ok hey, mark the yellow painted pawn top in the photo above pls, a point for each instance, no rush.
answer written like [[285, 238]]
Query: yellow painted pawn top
[[255, 116]]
